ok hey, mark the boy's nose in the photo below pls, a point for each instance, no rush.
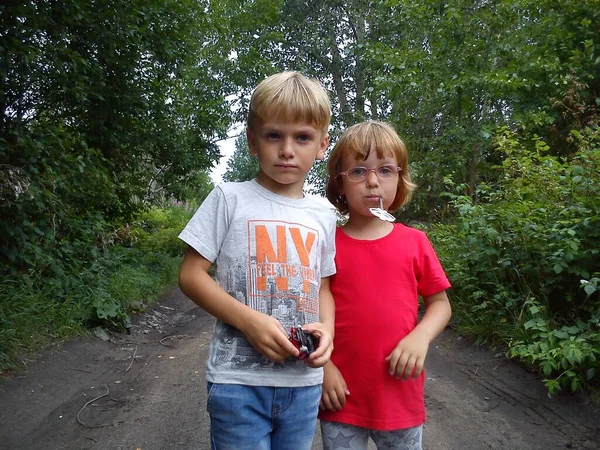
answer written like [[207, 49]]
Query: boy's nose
[[287, 150]]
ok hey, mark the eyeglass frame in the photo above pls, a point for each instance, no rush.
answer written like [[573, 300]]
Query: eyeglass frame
[[397, 169]]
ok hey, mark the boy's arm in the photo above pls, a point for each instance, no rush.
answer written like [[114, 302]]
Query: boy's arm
[[265, 333], [327, 306], [409, 355], [325, 328]]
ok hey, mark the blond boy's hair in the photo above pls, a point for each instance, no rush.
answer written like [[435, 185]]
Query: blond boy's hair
[[290, 97], [358, 142]]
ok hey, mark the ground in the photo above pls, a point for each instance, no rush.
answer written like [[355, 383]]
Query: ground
[[145, 390]]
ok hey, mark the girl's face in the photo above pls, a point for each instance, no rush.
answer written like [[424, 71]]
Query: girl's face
[[365, 194]]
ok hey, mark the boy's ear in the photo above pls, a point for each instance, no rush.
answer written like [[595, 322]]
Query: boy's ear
[[251, 143], [322, 148]]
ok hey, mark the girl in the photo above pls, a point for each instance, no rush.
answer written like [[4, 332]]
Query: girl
[[373, 385]]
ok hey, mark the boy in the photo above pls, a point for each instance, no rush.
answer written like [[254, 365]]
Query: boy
[[274, 251]]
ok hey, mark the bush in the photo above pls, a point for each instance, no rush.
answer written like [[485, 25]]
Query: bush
[[523, 260], [158, 229], [124, 269]]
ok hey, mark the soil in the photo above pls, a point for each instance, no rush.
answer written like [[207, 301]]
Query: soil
[[145, 390]]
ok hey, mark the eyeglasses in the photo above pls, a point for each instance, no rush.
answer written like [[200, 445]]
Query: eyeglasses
[[384, 172]]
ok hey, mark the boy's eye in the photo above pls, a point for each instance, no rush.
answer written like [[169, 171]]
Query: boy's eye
[[304, 137], [272, 136]]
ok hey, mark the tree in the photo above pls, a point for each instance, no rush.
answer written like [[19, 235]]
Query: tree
[[241, 166], [100, 103]]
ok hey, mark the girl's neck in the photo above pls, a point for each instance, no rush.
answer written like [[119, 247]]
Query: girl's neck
[[367, 228]]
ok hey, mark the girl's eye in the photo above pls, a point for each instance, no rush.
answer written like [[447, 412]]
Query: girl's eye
[[386, 170], [357, 172]]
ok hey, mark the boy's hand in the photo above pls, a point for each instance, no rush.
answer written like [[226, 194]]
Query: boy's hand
[[267, 336], [335, 389], [321, 355], [408, 357]]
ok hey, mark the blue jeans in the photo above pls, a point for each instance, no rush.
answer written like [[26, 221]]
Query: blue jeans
[[261, 417]]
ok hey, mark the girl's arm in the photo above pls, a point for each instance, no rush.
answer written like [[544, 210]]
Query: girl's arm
[[335, 389], [409, 355]]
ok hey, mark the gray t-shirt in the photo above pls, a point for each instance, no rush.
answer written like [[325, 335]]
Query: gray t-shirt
[[270, 253]]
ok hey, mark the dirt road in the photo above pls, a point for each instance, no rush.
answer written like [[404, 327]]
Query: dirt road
[[146, 391]]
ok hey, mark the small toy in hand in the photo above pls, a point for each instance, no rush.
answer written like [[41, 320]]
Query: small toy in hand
[[303, 341]]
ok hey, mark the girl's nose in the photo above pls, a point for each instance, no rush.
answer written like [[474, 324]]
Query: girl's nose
[[372, 179]]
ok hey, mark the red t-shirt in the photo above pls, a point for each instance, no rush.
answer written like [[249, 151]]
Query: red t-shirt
[[376, 291]]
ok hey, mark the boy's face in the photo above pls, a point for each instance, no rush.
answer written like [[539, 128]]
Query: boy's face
[[286, 152]]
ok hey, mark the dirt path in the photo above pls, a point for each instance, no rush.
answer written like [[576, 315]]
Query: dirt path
[[146, 391]]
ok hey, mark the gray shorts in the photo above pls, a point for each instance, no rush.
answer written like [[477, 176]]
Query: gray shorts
[[338, 436]]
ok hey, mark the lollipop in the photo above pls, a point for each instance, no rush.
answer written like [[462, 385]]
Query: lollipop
[[381, 213]]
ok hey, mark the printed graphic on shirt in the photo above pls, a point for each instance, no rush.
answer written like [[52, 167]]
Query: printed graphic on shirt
[[281, 280]]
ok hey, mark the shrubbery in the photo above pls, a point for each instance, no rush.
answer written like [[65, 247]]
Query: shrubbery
[[525, 261], [122, 271]]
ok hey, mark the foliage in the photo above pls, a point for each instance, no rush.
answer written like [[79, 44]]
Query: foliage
[[242, 166], [111, 108], [524, 260], [105, 107], [51, 212], [446, 74], [157, 230], [470, 67], [134, 267], [567, 356]]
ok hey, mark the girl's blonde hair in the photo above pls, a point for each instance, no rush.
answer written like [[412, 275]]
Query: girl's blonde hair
[[357, 143], [290, 97]]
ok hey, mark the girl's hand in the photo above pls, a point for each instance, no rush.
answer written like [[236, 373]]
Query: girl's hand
[[335, 389], [409, 355], [267, 336], [321, 355]]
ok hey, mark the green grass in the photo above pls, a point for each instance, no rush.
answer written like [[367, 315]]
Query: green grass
[[30, 318], [37, 311]]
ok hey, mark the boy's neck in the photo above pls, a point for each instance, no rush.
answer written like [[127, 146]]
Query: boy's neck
[[293, 190]]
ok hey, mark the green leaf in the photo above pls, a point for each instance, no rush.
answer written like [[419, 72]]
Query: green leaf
[[589, 289]]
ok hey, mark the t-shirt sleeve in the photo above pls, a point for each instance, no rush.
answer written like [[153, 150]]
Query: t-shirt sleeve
[[206, 230], [432, 278], [328, 251]]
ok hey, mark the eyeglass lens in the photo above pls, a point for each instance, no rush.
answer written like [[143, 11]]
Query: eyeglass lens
[[360, 173]]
